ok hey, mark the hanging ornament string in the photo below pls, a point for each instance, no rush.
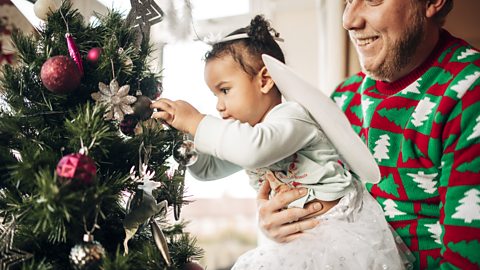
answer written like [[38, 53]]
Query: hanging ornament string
[[72, 47], [87, 237]]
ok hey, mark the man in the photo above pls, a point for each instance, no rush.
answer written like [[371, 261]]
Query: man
[[416, 105]]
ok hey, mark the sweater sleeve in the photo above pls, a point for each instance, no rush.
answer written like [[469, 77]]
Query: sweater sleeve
[[208, 167], [285, 130], [459, 186]]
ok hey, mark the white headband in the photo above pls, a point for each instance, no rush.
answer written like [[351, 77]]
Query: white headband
[[212, 39], [244, 35]]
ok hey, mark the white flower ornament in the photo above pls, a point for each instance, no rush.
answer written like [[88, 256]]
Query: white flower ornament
[[115, 98]]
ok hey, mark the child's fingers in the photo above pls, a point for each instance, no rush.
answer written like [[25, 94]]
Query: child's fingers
[[162, 105], [163, 115]]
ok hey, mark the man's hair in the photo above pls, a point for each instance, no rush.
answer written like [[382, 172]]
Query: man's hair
[[441, 16]]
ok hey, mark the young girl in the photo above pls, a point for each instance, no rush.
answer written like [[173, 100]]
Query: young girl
[[261, 134]]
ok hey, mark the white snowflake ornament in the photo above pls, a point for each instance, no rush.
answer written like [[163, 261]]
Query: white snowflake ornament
[[115, 98]]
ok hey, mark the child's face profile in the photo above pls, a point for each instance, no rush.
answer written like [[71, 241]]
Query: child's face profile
[[239, 96]]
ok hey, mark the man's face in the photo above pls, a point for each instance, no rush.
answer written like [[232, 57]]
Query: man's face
[[386, 34]]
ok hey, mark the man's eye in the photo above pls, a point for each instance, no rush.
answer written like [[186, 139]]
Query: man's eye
[[374, 2]]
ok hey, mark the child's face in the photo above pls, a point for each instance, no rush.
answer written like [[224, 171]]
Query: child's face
[[239, 96]]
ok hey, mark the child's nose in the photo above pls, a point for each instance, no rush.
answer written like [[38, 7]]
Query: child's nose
[[220, 105]]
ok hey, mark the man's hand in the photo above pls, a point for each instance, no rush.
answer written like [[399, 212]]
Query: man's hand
[[179, 114], [278, 223]]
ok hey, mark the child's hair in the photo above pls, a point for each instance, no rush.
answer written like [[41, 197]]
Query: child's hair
[[248, 51]]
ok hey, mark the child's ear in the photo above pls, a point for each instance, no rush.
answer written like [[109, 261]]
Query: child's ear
[[266, 80]]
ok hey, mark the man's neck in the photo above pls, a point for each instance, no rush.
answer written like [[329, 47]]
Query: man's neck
[[425, 48]]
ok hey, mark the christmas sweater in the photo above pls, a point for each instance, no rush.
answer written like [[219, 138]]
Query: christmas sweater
[[424, 132]]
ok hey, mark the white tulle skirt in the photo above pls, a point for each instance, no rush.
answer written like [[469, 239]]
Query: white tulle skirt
[[352, 235]]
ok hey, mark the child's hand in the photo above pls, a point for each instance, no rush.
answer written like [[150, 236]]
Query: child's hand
[[179, 114]]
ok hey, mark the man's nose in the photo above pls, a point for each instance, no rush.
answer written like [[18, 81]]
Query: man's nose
[[353, 15]]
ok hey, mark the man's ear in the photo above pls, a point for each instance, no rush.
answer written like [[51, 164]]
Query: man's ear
[[433, 7], [266, 80]]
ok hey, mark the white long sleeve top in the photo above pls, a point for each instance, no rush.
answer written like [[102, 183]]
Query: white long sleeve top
[[288, 143]]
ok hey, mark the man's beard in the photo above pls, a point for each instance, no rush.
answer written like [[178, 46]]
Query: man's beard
[[401, 52]]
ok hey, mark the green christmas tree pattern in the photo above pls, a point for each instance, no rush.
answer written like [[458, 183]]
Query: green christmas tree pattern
[[352, 80], [469, 249], [399, 116], [464, 167], [388, 185], [466, 55], [410, 150]]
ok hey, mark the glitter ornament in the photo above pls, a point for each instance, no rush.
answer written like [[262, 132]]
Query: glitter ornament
[[74, 53], [184, 152], [116, 99], [128, 124], [141, 108], [60, 75], [76, 168], [87, 255], [94, 55]]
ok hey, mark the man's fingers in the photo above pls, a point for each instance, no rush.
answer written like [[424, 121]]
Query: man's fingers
[[297, 227], [264, 191], [285, 198]]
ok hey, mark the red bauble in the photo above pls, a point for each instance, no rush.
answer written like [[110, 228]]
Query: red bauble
[[94, 55], [60, 74], [76, 168]]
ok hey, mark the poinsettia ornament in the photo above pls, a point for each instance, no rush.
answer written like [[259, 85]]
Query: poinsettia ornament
[[116, 99]]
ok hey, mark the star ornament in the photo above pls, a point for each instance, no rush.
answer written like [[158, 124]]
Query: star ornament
[[142, 16], [10, 256], [116, 99]]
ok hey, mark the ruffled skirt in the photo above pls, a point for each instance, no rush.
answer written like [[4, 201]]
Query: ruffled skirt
[[352, 235]]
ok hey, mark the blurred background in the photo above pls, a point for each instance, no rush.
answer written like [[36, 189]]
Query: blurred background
[[222, 214]]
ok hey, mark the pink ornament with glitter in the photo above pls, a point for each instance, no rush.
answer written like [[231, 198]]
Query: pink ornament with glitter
[[74, 53]]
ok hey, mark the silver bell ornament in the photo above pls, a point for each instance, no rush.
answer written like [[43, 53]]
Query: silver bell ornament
[[184, 152], [87, 255]]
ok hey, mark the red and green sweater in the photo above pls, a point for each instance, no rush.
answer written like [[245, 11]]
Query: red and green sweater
[[424, 132]]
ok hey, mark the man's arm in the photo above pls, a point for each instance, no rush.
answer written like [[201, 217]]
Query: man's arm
[[459, 185]]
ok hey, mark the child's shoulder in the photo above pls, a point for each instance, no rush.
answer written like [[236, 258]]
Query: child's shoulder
[[292, 109]]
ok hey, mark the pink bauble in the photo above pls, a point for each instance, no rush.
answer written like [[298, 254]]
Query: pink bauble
[[60, 74], [94, 55], [76, 168]]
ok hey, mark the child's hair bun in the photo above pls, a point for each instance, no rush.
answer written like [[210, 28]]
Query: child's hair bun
[[259, 30]]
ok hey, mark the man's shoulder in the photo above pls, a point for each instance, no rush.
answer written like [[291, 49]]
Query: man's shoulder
[[351, 84]]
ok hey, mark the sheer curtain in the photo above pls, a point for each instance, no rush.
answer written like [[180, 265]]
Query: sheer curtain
[[334, 54]]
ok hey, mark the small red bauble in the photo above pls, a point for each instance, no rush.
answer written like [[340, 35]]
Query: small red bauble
[[60, 74], [77, 168], [94, 55]]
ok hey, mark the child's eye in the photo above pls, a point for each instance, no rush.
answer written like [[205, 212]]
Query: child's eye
[[224, 90]]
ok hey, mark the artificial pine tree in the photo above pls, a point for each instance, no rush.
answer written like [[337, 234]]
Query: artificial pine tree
[[76, 123]]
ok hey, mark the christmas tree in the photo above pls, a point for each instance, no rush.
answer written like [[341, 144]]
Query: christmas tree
[[85, 181]]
